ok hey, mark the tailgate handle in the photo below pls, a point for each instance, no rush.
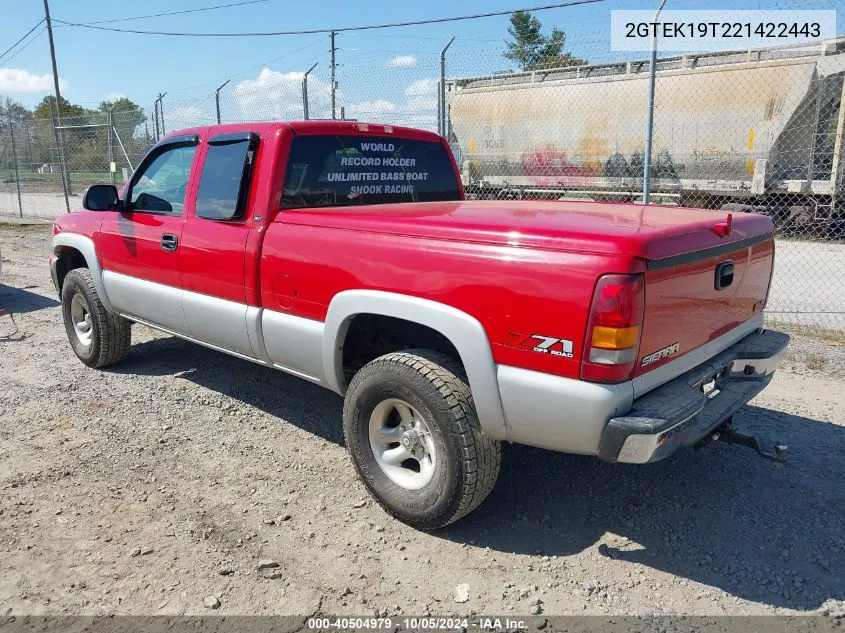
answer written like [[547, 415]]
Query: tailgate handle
[[724, 275]]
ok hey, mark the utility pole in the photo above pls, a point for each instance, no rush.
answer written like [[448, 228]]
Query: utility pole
[[57, 120], [112, 166], [14, 155], [305, 91], [649, 125], [217, 99], [155, 109], [441, 93], [334, 83], [161, 111]]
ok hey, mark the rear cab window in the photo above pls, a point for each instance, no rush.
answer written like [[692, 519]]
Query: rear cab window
[[328, 171]]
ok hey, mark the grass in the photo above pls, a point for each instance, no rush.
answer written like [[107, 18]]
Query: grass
[[834, 338], [75, 176], [816, 362], [26, 226]]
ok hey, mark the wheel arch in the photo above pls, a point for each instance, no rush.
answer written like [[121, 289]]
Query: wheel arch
[[68, 247], [462, 330]]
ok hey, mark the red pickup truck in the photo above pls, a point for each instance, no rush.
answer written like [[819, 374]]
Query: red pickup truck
[[345, 253]]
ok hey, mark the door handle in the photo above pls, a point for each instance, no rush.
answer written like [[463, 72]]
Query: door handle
[[169, 242]]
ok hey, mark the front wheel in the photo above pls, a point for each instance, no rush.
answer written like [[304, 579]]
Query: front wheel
[[411, 427], [98, 337]]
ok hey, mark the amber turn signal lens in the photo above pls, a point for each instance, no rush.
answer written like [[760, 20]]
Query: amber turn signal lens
[[615, 337]]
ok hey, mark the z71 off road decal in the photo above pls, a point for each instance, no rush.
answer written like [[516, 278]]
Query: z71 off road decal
[[543, 344], [671, 350]]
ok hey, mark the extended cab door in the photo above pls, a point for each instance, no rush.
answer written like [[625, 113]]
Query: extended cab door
[[139, 246], [214, 244]]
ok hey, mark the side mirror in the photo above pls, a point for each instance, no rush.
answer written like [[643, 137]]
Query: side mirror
[[101, 198]]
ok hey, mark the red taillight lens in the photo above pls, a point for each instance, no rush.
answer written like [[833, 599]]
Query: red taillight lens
[[613, 332], [618, 301]]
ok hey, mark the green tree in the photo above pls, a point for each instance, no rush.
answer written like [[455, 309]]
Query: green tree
[[560, 61], [126, 117], [528, 40], [129, 113], [76, 137], [533, 50], [46, 108]]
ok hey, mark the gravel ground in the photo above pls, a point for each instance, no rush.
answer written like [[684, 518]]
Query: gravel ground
[[184, 481]]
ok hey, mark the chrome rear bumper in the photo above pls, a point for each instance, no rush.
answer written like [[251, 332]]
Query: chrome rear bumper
[[686, 409]]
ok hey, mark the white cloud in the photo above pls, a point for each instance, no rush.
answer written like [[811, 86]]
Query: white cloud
[[15, 80], [277, 95], [422, 95], [185, 116], [402, 61], [114, 96], [422, 87], [370, 110]]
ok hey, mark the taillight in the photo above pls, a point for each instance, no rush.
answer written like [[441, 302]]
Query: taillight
[[613, 331]]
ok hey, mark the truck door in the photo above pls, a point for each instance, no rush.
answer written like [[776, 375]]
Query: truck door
[[139, 246], [214, 241]]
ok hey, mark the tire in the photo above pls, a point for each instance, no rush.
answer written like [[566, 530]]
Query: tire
[[98, 338], [457, 463]]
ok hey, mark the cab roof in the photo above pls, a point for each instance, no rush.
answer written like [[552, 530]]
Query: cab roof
[[314, 126]]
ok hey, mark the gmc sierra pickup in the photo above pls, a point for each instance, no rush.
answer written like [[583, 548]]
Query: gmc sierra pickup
[[345, 254]]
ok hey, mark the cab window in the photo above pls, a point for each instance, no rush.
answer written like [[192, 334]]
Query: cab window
[[163, 183], [356, 170]]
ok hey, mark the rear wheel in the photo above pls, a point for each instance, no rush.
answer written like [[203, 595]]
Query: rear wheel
[[413, 433], [98, 338]]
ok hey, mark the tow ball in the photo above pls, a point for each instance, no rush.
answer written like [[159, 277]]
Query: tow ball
[[728, 434]]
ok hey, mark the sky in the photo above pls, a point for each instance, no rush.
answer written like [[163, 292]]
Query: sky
[[391, 71]]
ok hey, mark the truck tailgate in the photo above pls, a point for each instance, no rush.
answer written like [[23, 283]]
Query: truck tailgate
[[693, 298]]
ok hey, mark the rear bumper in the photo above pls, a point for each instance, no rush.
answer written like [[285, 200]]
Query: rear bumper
[[679, 413]]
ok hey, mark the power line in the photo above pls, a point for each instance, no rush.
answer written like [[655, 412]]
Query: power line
[[275, 59], [22, 48], [431, 37], [3, 54], [159, 15], [366, 27], [249, 70]]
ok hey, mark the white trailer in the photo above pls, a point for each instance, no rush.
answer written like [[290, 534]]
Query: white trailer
[[759, 129]]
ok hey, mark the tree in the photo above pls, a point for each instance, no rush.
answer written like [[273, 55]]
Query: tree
[[46, 108], [531, 49], [560, 61], [527, 42], [75, 136], [126, 116], [18, 111], [125, 108]]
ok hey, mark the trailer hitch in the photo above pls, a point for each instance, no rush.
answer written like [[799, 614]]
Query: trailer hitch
[[728, 434]]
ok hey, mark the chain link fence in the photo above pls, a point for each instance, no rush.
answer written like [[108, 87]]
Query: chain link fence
[[743, 130], [35, 171]]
